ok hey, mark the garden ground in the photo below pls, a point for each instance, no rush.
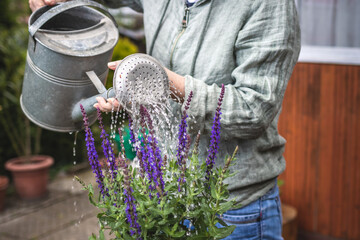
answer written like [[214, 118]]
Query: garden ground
[[65, 213]]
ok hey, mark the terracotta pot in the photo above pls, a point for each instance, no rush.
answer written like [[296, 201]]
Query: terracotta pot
[[290, 227], [30, 175], [4, 183]]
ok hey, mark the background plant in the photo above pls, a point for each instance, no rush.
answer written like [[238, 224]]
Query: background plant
[[19, 136], [13, 42]]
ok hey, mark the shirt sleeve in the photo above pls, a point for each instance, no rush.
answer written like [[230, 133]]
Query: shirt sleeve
[[134, 4], [266, 50]]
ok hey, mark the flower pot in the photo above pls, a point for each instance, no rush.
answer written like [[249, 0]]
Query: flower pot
[[4, 182], [30, 175], [289, 214]]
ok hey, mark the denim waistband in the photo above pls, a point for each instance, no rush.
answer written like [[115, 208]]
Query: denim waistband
[[272, 193]]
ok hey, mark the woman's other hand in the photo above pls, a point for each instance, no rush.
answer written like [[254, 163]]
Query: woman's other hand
[[108, 105], [36, 4], [111, 103]]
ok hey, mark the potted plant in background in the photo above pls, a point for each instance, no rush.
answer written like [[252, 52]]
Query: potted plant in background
[[21, 137]]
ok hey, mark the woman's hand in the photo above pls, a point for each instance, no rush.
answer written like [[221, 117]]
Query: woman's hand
[[111, 103], [107, 105], [177, 85], [36, 4]]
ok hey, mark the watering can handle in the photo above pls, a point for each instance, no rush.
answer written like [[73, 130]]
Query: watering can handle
[[33, 28], [88, 103]]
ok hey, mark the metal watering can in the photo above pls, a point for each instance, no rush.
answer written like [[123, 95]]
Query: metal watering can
[[69, 47], [67, 43]]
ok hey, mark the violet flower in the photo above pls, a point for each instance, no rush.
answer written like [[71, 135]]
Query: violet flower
[[215, 136], [145, 160], [184, 143], [182, 131], [152, 159], [106, 146], [182, 179], [158, 165], [92, 153], [130, 210]]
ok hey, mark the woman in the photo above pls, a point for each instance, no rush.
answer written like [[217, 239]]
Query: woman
[[251, 47]]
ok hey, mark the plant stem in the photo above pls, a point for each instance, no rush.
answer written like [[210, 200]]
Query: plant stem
[[14, 138], [27, 139], [37, 146]]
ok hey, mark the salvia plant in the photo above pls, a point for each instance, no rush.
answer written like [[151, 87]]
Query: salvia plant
[[182, 197]]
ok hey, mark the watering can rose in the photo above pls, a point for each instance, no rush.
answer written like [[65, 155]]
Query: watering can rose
[[179, 197]]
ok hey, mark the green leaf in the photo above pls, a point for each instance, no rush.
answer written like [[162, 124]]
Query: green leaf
[[101, 235], [214, 193], [224, 232], [174, 228], [168, 210], [225, 206], [149, 225], [222, 222], [236, 206], [178, 234], [156, 210], [92, 237], [198, 237], [163, 222], [167, 230]]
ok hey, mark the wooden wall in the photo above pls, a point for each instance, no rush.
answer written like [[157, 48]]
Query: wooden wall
[[321, 123]]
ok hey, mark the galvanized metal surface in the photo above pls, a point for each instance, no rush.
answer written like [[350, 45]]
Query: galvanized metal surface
[[59, 55]]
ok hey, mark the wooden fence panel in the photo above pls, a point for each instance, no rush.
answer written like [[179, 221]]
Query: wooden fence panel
[[321, 123]]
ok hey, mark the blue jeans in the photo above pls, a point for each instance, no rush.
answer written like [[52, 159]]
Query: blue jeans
[[260, 220]]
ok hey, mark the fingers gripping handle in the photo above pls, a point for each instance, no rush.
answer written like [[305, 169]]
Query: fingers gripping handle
[[62, 7], [88, 105]]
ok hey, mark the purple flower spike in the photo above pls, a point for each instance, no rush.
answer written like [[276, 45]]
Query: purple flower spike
[[182, 131], [152, 158], [132, 135], [184, 142], [182, 179], [215, 136], [92, 153], [129, 200], [106, 146]]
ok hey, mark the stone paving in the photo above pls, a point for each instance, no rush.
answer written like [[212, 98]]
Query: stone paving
[[65, 213]]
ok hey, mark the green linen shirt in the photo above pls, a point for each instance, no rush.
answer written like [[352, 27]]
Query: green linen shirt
[[250, 46]]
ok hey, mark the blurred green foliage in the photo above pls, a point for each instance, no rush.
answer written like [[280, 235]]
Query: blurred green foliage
[[17, 130], [18, 135]]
